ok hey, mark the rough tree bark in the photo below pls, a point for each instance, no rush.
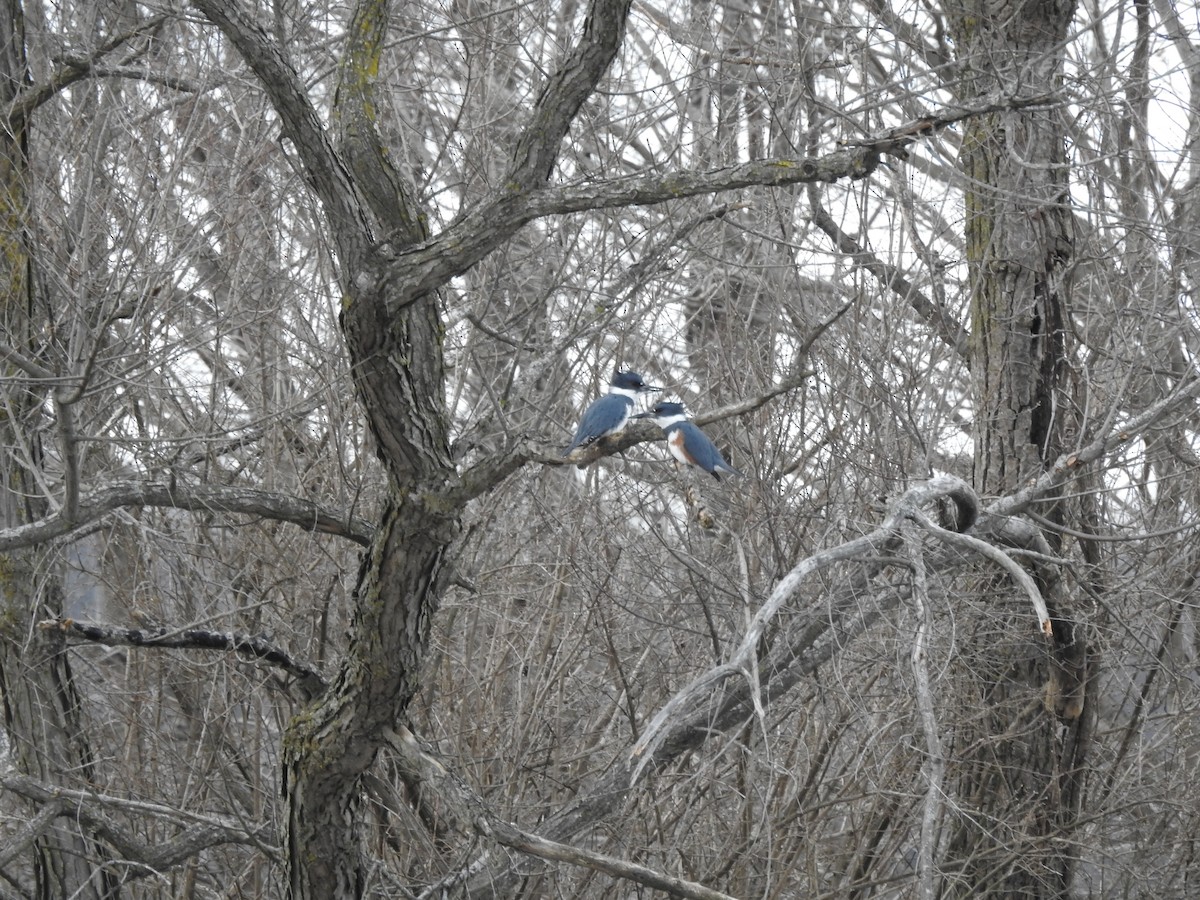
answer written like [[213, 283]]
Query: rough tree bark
[[42, 714], [389, 270], [394, 336], [1019, 245]]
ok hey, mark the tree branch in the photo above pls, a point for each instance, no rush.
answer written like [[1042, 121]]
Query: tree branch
[[1069, 464], [932, 803], [685, 703], [310, 681], [480, 231], [431, 264], [486, 474], [30, 367], [533, 845], [565, 92], [944, 325], [72, 70], [31, 830], [1000, 558], [456, 805], [320, 163], [355, 107], [198, 498], [201, 831]]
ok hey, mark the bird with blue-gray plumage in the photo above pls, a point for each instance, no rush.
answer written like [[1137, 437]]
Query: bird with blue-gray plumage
[[686, 441], [608, 415]]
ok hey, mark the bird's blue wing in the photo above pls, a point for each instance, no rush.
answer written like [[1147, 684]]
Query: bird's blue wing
[[604, 415], [704, 452]]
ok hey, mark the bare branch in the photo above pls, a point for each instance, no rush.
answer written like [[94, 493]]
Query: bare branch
[[429, 265], [565, 92], [931, 812], [321, 164], [1000, 558], [951, 332], [97, 503], [1068, 465], [540, 847], [30, 367], [488, 473], [895, 139], [31, 831], [433, 785], [134, 73], [73, 70], [684, 703], [257, 647], [200, 830]]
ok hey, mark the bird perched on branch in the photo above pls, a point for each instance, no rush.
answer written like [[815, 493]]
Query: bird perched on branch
[[687, 442], [608, 415]]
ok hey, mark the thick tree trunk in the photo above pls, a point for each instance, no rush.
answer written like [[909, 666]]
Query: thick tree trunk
[[1016, 774], [394, 336], [1017, 230], [395, 344], [42, 715]]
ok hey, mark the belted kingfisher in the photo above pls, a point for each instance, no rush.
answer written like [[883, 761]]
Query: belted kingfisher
[[609, 414], [688, 443]]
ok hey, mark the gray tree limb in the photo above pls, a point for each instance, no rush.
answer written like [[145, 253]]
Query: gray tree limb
[[310, 681], [95, 504], [198, 830], [323, 168]]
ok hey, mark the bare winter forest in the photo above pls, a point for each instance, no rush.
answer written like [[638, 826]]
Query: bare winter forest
[[301, 302]]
